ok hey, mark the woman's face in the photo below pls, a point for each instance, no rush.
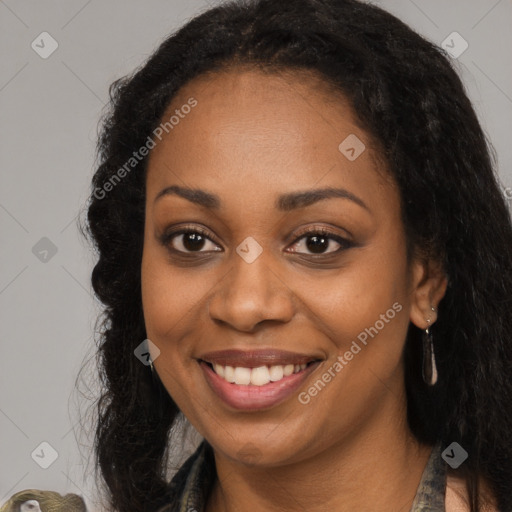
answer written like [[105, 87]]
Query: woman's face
[[259, 286]]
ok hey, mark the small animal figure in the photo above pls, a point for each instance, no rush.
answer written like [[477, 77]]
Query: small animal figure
[[34, 500], [30, 506]]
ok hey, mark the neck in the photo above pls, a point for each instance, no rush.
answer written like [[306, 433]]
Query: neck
[[380, 469]]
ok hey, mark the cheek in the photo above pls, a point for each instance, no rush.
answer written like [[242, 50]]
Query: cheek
[[360, 293], [168, 302], [165, 297], [364, 312], [173, 300]]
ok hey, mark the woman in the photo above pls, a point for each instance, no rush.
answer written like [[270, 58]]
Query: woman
[[304, 250]]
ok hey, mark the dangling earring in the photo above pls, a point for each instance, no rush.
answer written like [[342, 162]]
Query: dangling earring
[[154, 374], [429, 369]]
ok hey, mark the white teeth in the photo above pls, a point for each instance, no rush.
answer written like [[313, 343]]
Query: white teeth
[[219, 370], [256, 376], [288, 370], [229, 373], [260, 376], [276, 373], [242, 375]]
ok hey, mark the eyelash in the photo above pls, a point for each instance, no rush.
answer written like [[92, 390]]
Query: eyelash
[[167, 238]]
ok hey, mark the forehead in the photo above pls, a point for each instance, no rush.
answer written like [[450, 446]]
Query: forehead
[[255, 131]]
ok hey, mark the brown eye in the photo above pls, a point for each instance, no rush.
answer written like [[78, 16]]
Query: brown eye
[[319, 241], [189, 241]]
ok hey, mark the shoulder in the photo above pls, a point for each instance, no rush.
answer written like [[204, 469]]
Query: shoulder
[[456, 498]]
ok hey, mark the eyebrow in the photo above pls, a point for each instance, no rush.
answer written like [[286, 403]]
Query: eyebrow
[[284, 202]]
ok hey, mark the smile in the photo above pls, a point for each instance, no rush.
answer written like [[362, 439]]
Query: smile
[[255, 380], [256, 376]]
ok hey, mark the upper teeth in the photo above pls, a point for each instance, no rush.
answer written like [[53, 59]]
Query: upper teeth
[[256, 376]]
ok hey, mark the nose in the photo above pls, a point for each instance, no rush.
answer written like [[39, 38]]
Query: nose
[[250, 294]]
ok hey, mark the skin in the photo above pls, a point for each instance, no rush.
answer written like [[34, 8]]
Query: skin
[[251, 137]]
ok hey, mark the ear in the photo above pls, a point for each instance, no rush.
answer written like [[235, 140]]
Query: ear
[[428, 286]]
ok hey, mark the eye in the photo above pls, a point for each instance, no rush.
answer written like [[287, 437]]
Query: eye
[[318, 240], [188, 240], [195, 240]]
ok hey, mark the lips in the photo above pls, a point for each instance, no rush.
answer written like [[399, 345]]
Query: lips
[[256, 358], [256, 379]]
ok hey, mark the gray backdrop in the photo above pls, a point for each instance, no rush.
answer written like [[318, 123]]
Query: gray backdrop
[[59, 58]]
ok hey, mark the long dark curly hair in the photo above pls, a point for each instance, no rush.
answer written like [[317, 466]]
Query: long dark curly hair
[[407, 96]]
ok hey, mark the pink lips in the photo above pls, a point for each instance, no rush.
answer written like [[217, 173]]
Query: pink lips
[[249, 397]]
